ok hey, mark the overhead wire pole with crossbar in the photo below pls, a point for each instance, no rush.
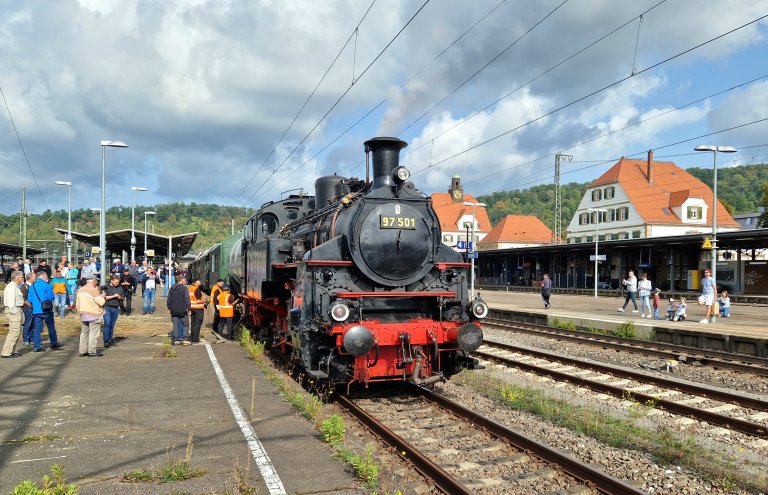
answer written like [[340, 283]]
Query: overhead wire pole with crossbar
[[557, 234]]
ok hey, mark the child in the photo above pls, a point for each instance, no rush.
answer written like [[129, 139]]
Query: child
[[59, 284], [671, 309], [725, 304], [656, 303], [680, 311]]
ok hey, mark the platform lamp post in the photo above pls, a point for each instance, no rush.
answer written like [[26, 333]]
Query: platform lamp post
[[69, 215], [472, 266], [133, 222], [103, 212], [714, 150], [597, 237], [145, 230]]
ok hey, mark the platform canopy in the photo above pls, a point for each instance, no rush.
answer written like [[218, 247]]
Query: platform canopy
[[118, 241], [16, 251]]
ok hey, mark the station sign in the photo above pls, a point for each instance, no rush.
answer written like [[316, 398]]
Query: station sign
[[600, 257], [150, 253], [464, 245], [472, 255], [96, 250]]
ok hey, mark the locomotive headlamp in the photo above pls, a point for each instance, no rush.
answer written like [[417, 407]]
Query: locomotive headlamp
[[479, 308], [358, 340], [401, 174], [339, 311]]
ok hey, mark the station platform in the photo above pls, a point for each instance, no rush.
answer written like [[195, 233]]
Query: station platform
[[745, 331], [131, 409]]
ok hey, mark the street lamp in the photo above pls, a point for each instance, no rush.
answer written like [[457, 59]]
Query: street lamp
[[472, 266], [597, 236], [133, 226], [103, 212], [714, 150], [69, 215], [145, 231]]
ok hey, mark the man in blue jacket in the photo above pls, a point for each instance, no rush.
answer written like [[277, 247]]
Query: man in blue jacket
[[39, 292]]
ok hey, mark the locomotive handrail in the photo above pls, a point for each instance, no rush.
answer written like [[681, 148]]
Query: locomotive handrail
[[356, 295]]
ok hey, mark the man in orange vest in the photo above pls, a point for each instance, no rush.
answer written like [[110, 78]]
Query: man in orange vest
[[225, 304], [197, 311], [214, 298]]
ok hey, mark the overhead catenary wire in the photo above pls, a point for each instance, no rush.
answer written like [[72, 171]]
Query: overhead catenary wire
[[338, 100], [534, 79], [481, 69], [384, 100], [304, 105], [593, 93], [23, 151], [633, 124]]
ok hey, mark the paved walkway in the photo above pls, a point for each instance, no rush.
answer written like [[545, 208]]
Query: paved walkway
[[745, 320], [130, 409]]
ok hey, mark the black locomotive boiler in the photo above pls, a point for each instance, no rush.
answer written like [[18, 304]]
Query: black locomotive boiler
[[355, 283]]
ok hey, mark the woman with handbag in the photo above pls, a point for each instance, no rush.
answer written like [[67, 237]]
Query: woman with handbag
[[41, 297]]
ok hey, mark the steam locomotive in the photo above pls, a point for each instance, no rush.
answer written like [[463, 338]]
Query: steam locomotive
[[354, 283]]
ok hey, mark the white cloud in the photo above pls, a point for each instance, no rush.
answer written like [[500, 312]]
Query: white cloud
[[202, 89]]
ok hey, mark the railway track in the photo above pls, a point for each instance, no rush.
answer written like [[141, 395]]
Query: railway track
[[738, 412], [462, 452], [692, 355]]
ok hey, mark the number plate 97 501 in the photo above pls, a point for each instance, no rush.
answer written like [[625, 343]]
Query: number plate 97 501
[[397, 222]]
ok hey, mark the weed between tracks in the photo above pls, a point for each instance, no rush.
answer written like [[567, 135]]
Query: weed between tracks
[[667, 445], [311, 406], [626, 329]]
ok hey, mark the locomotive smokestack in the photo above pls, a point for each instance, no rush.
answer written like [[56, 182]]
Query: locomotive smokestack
[[386, 156]]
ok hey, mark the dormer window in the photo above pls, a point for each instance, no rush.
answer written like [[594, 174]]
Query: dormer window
[[597, 195], [695, 212], [608, 192]]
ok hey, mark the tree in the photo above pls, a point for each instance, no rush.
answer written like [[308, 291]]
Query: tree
[[762, 221]]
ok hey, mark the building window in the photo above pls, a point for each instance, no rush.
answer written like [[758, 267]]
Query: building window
[[748, 221], [597, 195], [601, 237], [590, 239], [635, 234], [577, 239], [608, 192], [447, 238], [467, 225], [584, 219], [610, 215], [622, 213], [623, 235], [694, 212]]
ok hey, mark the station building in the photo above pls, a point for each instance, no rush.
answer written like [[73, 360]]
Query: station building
[[646, 216]]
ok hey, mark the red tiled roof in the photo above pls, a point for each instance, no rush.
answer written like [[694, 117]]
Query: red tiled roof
[[449, 212], [519, 228], [671, 186]]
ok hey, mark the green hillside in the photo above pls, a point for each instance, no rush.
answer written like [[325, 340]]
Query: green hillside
[[739, 188]]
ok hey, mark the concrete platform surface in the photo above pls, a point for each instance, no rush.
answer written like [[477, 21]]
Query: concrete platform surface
[[745, 320], [130, 409]]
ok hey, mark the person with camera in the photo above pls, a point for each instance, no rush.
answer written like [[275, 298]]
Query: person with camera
[[41, 296], [113, 301]]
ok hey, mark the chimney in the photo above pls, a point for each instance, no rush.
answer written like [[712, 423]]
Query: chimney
[[650, 167], [386, 156]]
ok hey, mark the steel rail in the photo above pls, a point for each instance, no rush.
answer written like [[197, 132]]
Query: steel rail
[[605, 483], [438, 475], [740, 425], [717, 359], [686, 387]]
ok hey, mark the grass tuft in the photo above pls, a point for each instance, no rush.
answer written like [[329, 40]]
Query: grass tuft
[[53, 484], [333, 430]]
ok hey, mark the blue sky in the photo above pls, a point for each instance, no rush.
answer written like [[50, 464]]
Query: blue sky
[[202, 92]]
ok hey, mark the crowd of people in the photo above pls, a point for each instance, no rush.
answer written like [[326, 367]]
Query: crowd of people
[[35, 295], [650, 298]]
